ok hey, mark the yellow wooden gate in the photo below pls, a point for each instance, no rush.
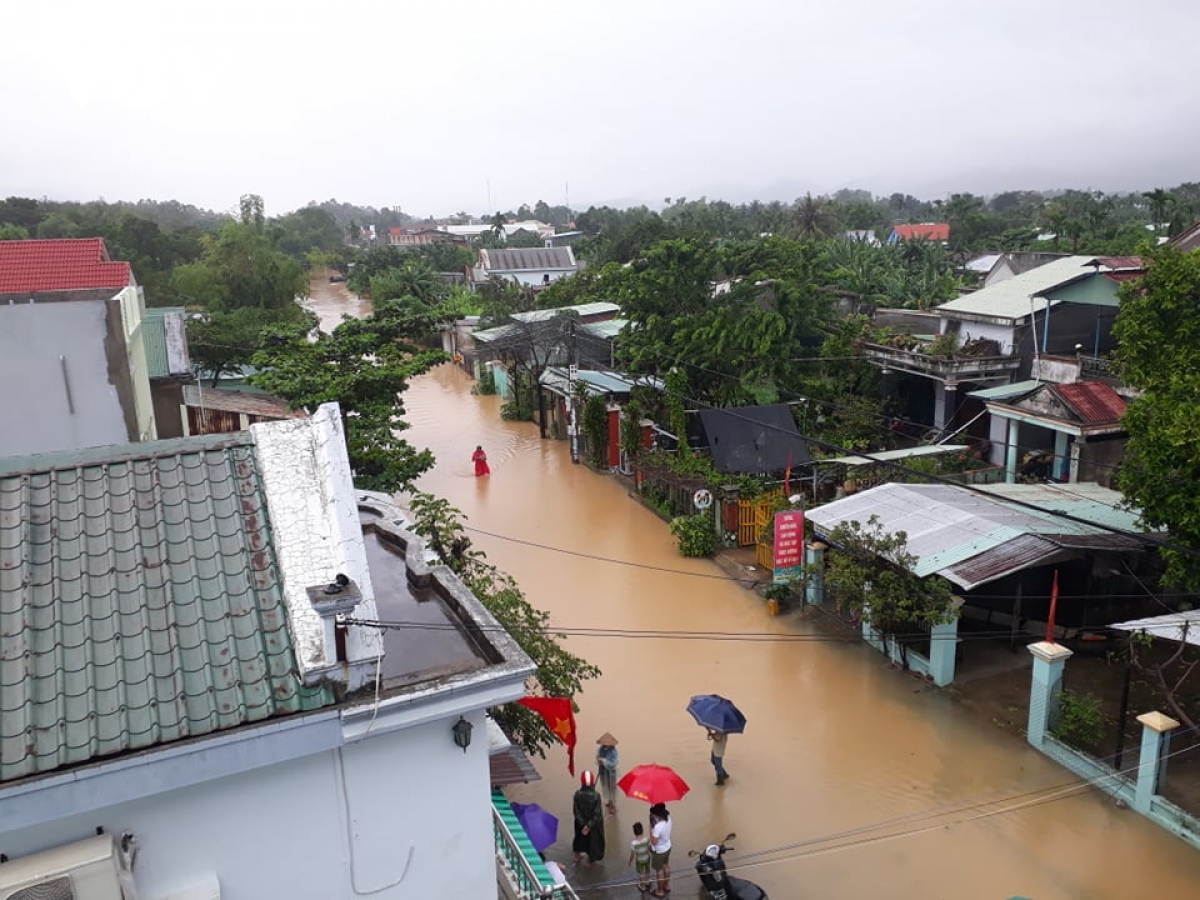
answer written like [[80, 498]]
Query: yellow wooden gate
[[754, 516]]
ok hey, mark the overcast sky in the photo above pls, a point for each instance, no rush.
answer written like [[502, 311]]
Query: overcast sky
[[423, 104]]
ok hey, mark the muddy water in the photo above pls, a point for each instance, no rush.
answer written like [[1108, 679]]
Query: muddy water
[[332, 302], [836, 742]]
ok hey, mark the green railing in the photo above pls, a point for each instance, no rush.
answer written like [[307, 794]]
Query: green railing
[[516, 856]]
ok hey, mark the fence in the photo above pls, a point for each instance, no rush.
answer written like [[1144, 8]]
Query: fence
[[753, 518]]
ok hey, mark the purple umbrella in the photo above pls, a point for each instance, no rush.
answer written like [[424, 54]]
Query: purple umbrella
[[540, 826]]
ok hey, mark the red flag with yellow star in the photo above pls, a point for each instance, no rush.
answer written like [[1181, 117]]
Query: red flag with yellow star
[[559, 718]]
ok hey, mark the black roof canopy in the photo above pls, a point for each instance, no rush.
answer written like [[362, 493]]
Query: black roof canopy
[[750, 440]]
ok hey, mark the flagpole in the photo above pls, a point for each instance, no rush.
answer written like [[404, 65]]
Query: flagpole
[[1053, 609]]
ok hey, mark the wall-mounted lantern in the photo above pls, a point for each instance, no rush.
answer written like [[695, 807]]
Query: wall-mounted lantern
[[462, 733]]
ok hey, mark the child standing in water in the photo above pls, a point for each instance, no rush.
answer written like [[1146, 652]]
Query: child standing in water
[[639, 856]]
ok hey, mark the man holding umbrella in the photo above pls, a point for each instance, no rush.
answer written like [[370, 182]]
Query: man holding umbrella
[[720, 718]]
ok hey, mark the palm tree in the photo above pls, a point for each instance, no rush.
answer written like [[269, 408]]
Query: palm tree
[[1160, 202], [814, 216]]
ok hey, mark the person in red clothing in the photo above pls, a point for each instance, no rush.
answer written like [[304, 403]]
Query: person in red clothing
[[480, 460]]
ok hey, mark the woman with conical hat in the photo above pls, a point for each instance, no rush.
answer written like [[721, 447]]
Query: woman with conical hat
[[607, 761]]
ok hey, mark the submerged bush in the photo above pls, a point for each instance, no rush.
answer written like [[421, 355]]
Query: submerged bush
[[696, 534]]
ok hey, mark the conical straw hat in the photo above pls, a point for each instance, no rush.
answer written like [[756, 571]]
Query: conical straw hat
[[607, 740]]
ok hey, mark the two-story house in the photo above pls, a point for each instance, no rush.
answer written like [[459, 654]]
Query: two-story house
[[71, 337], [1052, 323]]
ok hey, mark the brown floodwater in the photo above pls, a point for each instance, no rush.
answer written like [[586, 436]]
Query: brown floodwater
[[851, 781]]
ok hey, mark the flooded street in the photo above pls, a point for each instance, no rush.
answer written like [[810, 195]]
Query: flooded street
[[852, 780], [836, 743]]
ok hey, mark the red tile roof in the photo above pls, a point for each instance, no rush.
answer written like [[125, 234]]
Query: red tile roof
[[930, 231], [1093, 401], [59, 265]]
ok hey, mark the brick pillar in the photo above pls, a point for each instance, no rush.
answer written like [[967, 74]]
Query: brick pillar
[[1049, 660], [1152, 764]]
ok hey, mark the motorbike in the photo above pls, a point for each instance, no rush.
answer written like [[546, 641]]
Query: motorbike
[[717, 883]]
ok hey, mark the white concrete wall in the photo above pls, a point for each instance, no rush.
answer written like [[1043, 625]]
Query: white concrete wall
[[132, 312], [39, 414], [410, 815], [531, 279], [314, 518], [1002, 334]]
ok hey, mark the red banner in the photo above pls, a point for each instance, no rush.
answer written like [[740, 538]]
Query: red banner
[[789, 539], [559, 718]]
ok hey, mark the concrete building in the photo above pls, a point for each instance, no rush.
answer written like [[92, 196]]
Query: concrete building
[[192, 661], [71, 337]]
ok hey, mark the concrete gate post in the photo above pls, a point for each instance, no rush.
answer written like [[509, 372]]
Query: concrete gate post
[[1152, 765], [1049, 660], [814, 561], [943, 649]]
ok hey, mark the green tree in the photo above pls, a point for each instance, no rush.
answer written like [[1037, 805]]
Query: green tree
[[240, 267], [815, 216], [559, 673], [415, 278], [1158, 337], [11, 232], [870, 575], [224, 343], [365, 366]]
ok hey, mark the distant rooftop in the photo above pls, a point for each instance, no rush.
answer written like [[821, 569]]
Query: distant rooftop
[[528, 259], [1019, 297], [59, 265]]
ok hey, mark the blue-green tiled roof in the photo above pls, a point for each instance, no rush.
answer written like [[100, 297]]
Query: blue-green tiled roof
[[140, 602]]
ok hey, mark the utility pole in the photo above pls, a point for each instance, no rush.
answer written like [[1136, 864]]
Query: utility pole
[[572, 374]]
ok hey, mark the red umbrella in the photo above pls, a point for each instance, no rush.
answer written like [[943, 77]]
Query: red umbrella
[[653, 783]]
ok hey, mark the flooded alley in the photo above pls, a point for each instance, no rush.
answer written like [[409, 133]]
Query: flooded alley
[[852, 780]]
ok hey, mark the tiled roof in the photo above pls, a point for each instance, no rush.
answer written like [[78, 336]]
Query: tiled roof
[[1093, 401], [930, 231], [140, 602], [59, 265], [262, 405]]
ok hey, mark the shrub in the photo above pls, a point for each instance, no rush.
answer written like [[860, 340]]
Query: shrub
[[696, 534], [487, 382], [1079, 721]]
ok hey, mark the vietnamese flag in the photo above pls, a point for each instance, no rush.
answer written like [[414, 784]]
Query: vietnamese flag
[[559, 718]]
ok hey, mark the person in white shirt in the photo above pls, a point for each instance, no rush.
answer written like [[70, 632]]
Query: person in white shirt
[[660, 847]]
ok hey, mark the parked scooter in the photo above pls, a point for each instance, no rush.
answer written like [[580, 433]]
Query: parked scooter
[[719, 885]]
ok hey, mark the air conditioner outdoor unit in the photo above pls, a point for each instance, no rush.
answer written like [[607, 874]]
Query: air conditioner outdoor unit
[[85, 870]]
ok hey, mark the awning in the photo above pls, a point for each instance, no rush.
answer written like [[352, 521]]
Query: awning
[[1180, 626], [893, 455], [507, 762], [1006, 391]]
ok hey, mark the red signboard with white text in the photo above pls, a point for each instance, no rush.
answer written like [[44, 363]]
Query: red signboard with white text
[[789, 544]]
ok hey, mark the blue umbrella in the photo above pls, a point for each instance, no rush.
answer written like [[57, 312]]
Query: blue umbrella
[[539, 825], [716, 713]]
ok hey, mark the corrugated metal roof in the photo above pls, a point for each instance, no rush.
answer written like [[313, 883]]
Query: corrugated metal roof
[[528, 259], [1006, 391], [1011, 299], [607, 329], [929, 231], [947, 526], [154, 339], [597, 308], [891, 455], [1180, 626], [1083, 500], [595, 382], [983, 264], [262, 405], [1022, 552], [1093, 401], [140, 602]]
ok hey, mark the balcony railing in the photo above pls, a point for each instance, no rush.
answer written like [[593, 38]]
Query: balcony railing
[[520, 864], [1091, 367], [949, 368]]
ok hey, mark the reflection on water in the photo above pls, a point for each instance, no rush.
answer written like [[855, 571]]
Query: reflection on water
[[836, 739]]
